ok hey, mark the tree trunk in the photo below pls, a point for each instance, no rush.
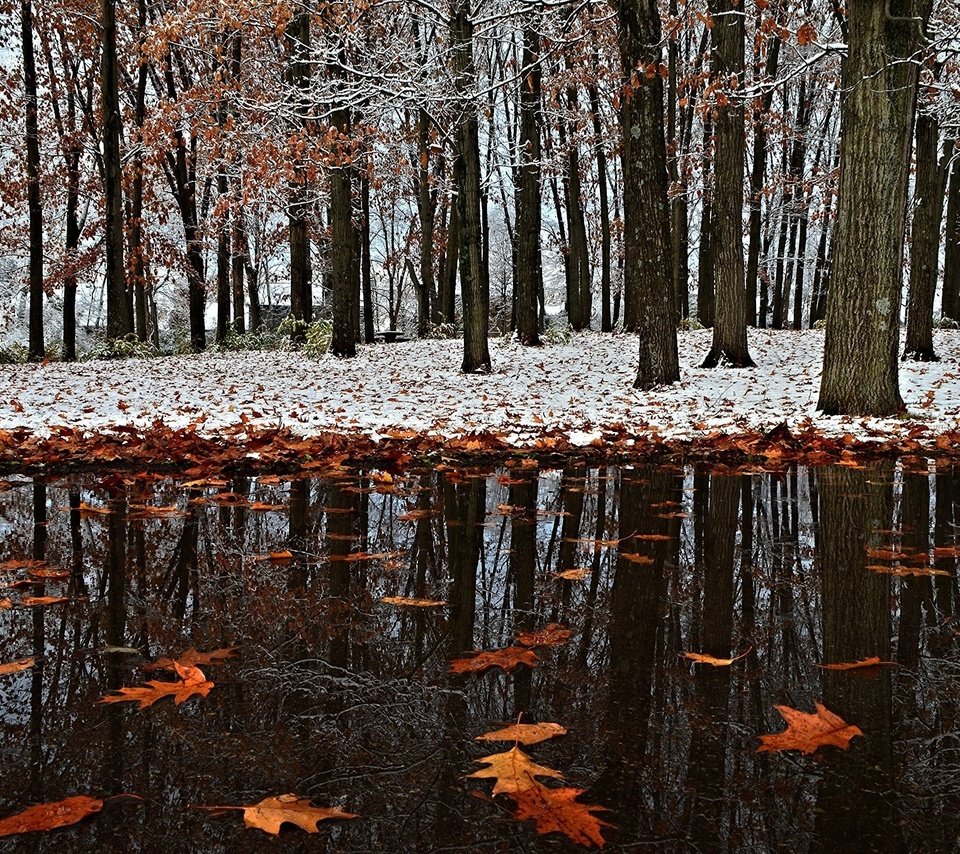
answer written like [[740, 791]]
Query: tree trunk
[[343, 342], [876, 117], [730, 323], [301, 273], [821, 273], [950, 307], [647, 272], [119, 321], [527, 270], [474, 282], [706, 263], [365, 272], [925, 249], [34, 203], [426, 203], [223, 263], [606, 320]]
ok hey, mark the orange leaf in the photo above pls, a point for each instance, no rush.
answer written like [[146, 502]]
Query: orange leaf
[[703, 658], [17, 666], [524, 733], [4, 604], [37, 601], [634, 557], [48, 816], [553, 634], [192, 682], [49, 573], [575, 574], [409, 602], [21, 563], [559, 811], [906, 570], [807, 733], [513, 770], [858, 665], [481, 660], [806, 34], [270, 813], [193, 658]]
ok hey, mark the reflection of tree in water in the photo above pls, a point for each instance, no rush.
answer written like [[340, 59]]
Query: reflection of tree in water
[[339, 696]]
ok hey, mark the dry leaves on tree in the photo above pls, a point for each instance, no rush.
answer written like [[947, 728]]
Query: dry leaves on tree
[[809, 732], [51, 815], [192, 683]]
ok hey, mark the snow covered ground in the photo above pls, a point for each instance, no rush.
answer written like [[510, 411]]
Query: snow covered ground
[[577, 388]]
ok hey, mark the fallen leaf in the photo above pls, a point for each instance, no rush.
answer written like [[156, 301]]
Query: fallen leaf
[[21, 563], [808, 732], [263, 507], [192, 682], [559, 811], [513, 770], [507, 658], [5, 604], [577, 574], [906, 570], [858, 665], [270, 813], [51, 815], [37, 601], [357, 556], [553, 634], [91, 509], [703, 658], [17, 666], [410, 602], [49, 573], [634, 557], [524, 733], [192, 658]]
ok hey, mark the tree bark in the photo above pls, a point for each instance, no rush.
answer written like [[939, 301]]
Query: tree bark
[[647, 271], [950, 306], [925, 248], [474, 281], [342, 241], [34, 202], [119, 321], [730, 323], [527, 270], [301, 272], [876, 119]]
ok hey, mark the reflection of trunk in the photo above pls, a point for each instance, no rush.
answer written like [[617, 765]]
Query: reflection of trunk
[[523, 564], [708, 745], [176, 585], [574, 479], [464, 509], [915, 524], [39, 647], [856, 624], [637, 602], [341, 535]]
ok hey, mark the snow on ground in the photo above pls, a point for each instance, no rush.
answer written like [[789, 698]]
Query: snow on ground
[[576, 388]]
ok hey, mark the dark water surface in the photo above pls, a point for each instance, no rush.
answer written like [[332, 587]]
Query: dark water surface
[[335, 695]]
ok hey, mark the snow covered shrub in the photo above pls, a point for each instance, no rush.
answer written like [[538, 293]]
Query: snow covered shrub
[[690, 324], [262, 339], [319, 335], [946, 323], [13, 354], [440, 331], [820, 324], [557, 333], [128, 347]]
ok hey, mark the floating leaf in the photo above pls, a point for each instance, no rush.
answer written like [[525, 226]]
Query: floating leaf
[[553, 634], [17, 666], [51, 815], [5, 604], [91, 509], [357, 556], [703, 658], [192, 682], [513, 770], [262, 507], [507, 658], [907, 570], [149, 511], [576, 574], [39, 601], [858, 665], [49, 573], [273, 812], [634, 557], [192, 658], [808, 732], [559, 811], [410, 602], [21, 563], [524, 733]]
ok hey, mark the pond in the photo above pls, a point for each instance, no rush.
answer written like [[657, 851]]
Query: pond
[[335, 695]]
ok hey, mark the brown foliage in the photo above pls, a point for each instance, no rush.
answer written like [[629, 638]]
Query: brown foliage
[[51, 815], [508, 659]]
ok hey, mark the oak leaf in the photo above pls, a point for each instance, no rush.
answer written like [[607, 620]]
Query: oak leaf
[[192, 682], [38, 601], [874, 661], [5, 604], [507, 658], [50, 815], [193, 658], [559, 811], [513, 770], [576, 574], [553, 634], [906, 570], [270, 813], [808, 732], [412, 602], [17, 666], [524, 733], [703, 658], [49, 573]]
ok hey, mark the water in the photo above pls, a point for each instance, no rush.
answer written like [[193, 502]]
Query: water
[[334, 694]]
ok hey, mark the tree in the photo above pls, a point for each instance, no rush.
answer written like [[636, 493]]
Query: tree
[[727, 71], [647, 269], [34, 203], [876, 123]]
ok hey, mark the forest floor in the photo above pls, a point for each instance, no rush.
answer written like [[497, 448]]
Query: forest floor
[[412, 395]]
